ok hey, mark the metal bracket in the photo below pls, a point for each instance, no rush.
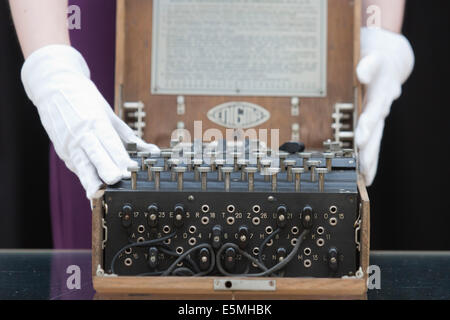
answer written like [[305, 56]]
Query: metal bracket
[[101, 273], [244, 285], [357, 226], [136, 110], [295, 106], [106, 233], [342, 126], [181, 106]]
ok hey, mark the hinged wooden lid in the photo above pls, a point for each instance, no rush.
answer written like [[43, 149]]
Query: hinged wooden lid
[[133, 78]]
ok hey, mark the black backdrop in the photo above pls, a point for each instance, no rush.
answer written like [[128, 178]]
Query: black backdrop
[[409, 196]]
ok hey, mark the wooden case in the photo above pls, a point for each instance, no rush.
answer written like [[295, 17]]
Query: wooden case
[[133, 65]]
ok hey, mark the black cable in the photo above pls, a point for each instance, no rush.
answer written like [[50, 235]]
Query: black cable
[[181, 270], [266, 271], [175, 254], [139, 244], [185, 254], [263, 244], [242, 252]]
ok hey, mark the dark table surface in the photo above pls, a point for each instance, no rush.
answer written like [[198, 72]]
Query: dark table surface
[[43, 274]]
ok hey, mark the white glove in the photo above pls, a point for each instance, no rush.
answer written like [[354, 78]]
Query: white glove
[[86, 133], [387, 60]]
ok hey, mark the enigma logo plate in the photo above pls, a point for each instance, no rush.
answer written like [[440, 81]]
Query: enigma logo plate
[[238, 115]]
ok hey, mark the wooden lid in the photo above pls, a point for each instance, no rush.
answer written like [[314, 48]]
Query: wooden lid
[[133, 79]]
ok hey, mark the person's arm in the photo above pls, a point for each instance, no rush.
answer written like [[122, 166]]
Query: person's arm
[[40, 23], [86, 133], [387, 60]]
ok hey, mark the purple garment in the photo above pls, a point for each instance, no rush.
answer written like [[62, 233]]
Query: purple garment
[[70, 209]]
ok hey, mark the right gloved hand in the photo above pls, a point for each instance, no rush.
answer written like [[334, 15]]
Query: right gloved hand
[[87, 135]]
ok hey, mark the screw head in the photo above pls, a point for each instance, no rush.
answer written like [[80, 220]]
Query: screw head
[[143, 154], [133, 168], [305, 155], [298, 170], [219, 162], [180, 169], [273, 171], [313, 163], [174, 162], [243, 162], [150, 162], [251, 170], [227, 169], [204, 169], [290, 162]]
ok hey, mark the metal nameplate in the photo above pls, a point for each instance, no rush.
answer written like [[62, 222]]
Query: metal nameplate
[[240, 48], [244, 285], [238, 115]]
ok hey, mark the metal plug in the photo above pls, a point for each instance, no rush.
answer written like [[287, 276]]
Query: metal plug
[[219, 164], [243, 163], [166, 155], [265, 163], [321, 172], [204, 176], [180, 175], [173, 163], [134, 170], [143, 156], [329, 156], [273, 172], [289, 164], [157, 173], [313, 164], [305, 156], [149, 163], [297, 172], [251, 177], [283, 156], [227, 171], [196, 163]]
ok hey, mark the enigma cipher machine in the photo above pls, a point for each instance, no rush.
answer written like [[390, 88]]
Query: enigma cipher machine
[[234, 216]]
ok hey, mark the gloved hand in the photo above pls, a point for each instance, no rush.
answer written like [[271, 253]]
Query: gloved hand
[[86, 133], [387, 60]]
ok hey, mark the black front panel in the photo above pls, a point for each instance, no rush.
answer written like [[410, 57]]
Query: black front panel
[[254, 215]]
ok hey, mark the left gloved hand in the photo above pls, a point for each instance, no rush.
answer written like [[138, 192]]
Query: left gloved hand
[[387, 60]]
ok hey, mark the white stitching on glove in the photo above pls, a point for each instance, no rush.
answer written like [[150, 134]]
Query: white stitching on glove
[[387, 60], [87, 135]]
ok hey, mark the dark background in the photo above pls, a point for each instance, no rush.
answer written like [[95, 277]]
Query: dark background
[[409, 196]]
